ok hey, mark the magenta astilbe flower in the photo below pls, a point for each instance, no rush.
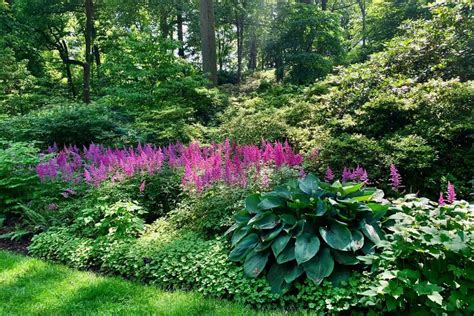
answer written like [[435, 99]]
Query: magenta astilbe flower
[[329, 177], [451, 193], [441, 199], [346, 175], [142, 186], [395, 178]]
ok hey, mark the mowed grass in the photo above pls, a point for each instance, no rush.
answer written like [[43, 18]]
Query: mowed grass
[[33, 287]]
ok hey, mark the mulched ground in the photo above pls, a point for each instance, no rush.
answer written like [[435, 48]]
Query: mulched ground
[[19, 245]]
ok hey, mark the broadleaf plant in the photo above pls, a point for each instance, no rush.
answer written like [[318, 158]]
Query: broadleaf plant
[[307, 227]]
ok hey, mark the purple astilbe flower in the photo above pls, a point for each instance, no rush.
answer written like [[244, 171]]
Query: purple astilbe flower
[[451, 193], [395, 178], [142, 186], [364, 177], [346, 175], [441, 199], [329, 177]]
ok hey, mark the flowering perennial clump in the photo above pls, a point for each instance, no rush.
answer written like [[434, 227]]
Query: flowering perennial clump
[[395, 177], [203, 165], [357, 174]]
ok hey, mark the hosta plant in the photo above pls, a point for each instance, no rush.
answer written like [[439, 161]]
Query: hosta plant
[[307, 227]]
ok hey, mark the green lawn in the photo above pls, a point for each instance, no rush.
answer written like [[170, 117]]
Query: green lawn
[[34, 287]]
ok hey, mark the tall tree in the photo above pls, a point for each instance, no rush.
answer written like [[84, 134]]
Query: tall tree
[[208, 39], [89, 36]]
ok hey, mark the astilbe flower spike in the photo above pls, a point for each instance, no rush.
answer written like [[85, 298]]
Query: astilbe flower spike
[[329, 177], [441, 199], [395, 178], [451, 193]]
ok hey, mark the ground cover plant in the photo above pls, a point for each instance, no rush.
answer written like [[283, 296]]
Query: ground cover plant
[[310, 156]]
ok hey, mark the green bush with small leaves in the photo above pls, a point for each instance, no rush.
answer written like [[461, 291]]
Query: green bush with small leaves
[[306, 227], [426, 265]]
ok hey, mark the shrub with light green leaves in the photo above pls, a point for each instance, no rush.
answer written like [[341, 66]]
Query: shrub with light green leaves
[[307, 227], [426, 265]]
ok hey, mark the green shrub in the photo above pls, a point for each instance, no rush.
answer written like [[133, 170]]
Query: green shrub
[[426, 265], [67, 123], [175, 259], [306, 226]]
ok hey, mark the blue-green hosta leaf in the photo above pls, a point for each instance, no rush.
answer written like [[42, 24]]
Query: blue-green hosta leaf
[[276, 277], [321, 208], [272, 234], [255, 263], [242, 217], [372, 231], [344, 257], [294, 273], [288, 254], [251, 203], [258, 217], [243, 247], [269, 221], [337, 236], [270, 202], [262, 246], [309, 184], [306, 247], [320, 267], [280, 243], [227, 232], [282, 192], [288, 219], [239, 234], [357, 240]]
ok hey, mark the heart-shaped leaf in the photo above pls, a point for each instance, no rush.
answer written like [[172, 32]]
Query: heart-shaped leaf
[[357, 240], [270, 202], [294, 273], [269, 221], [288, 254], [306, 247], [337, 236], [239, 234], [243, 247], [279, 244], [255, 263], [251, 203], [309, 184], [372, 231], [320, 267], [344, 257]]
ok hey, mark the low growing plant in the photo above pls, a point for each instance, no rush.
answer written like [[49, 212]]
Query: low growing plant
[[426, 265], [307, 227]]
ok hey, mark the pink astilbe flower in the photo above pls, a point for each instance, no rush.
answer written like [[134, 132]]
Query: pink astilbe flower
[[451, 193], [395, 178], [346, 175], [141, 188], [441, 199], [329, 177]]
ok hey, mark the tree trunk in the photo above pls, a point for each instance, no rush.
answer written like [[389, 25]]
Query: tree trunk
[[89, 8], [253, 52], [208, 39], [324, 5], [240, 44], [179, 22], [361, 4], [164, 26]]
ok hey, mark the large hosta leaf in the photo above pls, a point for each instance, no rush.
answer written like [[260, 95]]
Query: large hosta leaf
[[288, 254], [239, 234], [344, 257], [251, 203], [270, 202], [337, 236], [279, 244], [276, 276], [243, 247], [306, 247], [269, 221], [255, 263], [293, 273], [320, 266], [357, 240], [309, 184], [272, 234], [372, 231]]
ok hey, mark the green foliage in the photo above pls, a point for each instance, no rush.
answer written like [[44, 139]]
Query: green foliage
[[157, 89], [306, 226], [426, 264], [66, 123], [175, 259], [306, 43]]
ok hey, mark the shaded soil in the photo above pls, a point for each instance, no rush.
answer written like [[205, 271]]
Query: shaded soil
[[17, 245]]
